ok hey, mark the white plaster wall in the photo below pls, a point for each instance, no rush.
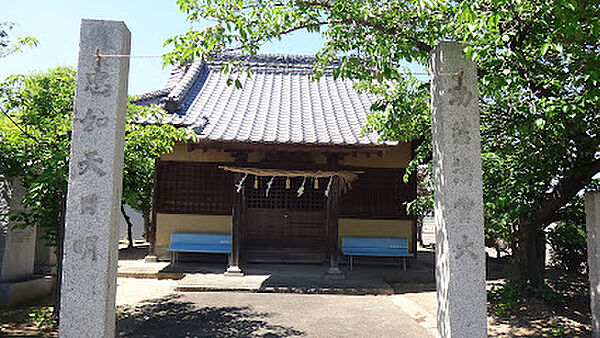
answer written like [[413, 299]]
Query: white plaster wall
[[138, 224]]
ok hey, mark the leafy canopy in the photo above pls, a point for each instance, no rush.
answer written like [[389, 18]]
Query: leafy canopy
[[36, 112], [35, 129], [8, 46]]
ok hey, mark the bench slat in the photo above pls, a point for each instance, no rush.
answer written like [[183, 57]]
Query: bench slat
[[375, 246], [200, 238], [376, 252], [214, 249], [208, 243], [374, 242]]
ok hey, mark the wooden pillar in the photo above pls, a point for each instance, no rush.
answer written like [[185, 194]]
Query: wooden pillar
[[236, 230], [332, 225], [412, 195]]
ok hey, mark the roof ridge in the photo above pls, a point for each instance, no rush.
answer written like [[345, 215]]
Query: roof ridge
[[174, 77], [273, 61], [268, 57], [185, 82]]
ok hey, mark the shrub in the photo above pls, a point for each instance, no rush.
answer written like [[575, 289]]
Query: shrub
[[569, 246], [509, 297], [42, 316]]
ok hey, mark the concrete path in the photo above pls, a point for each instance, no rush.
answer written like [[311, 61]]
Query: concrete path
[[421, 307], [296, 278], [165, 313], [293, 278]]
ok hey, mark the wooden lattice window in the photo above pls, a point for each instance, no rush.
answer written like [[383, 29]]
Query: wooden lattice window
[[193, 188], [281, 197], [378, 193]]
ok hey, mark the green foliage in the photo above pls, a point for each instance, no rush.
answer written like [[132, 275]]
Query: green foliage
[[539, 104], [510, 297], [7, 46], [569, 245], [143, 145], [422, 206], [37, 116], [557, 329], [35, 148], [42, 316], [568, 238]]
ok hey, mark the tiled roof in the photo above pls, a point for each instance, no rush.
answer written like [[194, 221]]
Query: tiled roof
[[278, 103]]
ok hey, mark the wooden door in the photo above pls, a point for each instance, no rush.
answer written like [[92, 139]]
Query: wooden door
[[284, 236], [282, 228], [306, 229], [264, 227]]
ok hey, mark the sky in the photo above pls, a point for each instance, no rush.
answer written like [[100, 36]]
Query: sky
[[55, 24]]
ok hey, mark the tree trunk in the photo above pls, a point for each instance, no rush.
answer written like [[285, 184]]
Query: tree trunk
[[147, 225], [150, 233], [531, 250], [129, 227], [531, 240], [419, 226]]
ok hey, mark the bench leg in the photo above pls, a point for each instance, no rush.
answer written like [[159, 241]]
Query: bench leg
[[350, 262], [404, 263]]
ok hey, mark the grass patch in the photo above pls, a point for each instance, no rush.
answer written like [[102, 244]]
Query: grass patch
[[509, 298]]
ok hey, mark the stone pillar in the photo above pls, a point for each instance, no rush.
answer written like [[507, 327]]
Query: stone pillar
[[458, 196], [17, 251], [87, 307], [17, 245], [592, 214]]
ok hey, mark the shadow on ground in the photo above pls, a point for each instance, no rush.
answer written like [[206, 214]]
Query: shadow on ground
[[167, 316], [564, 313], [139, 251]]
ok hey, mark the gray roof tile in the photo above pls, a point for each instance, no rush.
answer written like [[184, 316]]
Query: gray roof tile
[[278, 103]]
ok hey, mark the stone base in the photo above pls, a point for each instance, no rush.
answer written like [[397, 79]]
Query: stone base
[[150, 259], [234, 271], [15, 293]]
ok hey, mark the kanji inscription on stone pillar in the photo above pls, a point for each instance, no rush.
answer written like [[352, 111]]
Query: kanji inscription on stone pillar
[[458, 195], [87, 307]]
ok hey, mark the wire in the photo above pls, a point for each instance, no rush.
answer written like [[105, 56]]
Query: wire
[[99, 56], [127, 56]]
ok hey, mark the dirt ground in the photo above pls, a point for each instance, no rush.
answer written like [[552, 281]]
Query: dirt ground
[[568, 315]]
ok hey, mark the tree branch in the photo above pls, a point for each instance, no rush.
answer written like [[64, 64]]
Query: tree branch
[[386, 30], [564, 191]]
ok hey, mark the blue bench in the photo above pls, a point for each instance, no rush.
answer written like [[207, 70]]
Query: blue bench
[[201, 243], [373, 246]]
